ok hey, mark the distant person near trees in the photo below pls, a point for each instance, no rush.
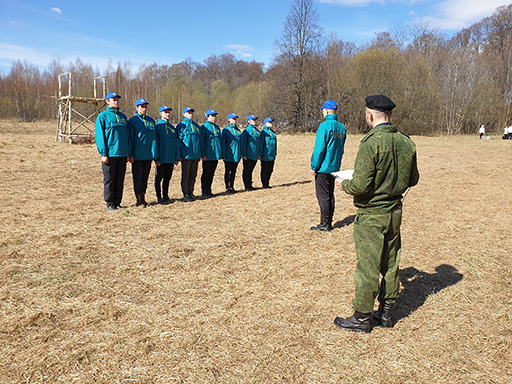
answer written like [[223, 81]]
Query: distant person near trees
[[268, 151], [326, 158], [112, 140], [143, 149], [250, 150], [230, 143], [481, 131], [211, 151], [190, 137], [385, 167], [169, 154]]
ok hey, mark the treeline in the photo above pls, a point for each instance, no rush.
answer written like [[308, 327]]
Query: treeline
[[440, 84]]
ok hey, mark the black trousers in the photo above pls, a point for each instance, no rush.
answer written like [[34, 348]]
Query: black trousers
[[113, 179], [163, 174], [140, 172], [324, 184], [247, 172], [209, 167], [230, 173], [188, 176], [267, 167]]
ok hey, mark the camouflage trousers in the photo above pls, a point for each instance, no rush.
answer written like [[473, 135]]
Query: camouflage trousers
[[378, 243]]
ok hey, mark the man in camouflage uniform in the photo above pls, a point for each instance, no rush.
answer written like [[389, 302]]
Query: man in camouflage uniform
[[385, 168]]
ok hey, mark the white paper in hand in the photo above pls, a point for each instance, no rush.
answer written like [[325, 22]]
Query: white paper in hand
[[346, 174]]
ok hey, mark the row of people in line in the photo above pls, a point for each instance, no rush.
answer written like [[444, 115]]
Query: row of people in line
[[140, 141]]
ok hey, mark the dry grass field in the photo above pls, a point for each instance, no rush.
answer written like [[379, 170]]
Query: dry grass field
[[237, 289]]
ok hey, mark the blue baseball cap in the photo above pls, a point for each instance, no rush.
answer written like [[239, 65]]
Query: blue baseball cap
[[210, 112], [164, 108], [188, 109], [232, 115], [267, 120], [111, 95], [141, 101], [251, 117], [329, 104]]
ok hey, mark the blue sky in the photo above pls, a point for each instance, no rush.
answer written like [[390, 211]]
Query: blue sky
[[171, 31]]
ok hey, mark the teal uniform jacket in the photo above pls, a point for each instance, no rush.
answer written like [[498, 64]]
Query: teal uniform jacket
[[329, 146], [190, 137], [250, 143], [143, 137], [230, 144], [210, 138], [386, 165], [111, 133], [268, 144], [168, 140]]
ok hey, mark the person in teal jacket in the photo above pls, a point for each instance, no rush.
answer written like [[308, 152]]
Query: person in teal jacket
[[250, 150], [169, 154], [143, 149], [326, 158], [112, 141], [190, 137], [230, 144], [268, 151], [211, 151]]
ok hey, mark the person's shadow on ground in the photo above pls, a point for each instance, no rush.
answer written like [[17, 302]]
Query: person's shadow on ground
[[419, 285], [346, 221]]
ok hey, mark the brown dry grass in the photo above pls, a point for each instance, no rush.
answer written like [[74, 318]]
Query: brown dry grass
[[237, 289]]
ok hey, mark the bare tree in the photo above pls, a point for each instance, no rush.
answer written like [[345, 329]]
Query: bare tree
[[296, 47]]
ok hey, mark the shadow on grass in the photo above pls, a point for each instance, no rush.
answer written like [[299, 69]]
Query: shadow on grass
[[346, 221], [418, 286]]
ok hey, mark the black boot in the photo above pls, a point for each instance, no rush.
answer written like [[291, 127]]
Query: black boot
[[384, 315], [158, 192], [140, 200], [324, 226], [359, 322]]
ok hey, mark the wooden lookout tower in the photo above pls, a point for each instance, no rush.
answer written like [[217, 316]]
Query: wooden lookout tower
[[77, 114]]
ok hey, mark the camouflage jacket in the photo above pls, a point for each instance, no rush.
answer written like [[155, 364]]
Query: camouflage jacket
[[385, 167]]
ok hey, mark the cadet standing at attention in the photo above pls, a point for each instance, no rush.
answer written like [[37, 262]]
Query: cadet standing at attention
[[326, 158], [112, 141], [168, 154], [268, 151], [385, 167], [211, 151], [190, 138], [250, 151], [143, 150], [231, 152]]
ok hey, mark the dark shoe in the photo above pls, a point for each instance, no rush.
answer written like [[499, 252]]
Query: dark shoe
[[250, 189], [187, 199], [160, 200], [267, 187], [166, 200], [111, 207], [384, 315], [140, 200], [322, 227], [359, 322], [193, 197]]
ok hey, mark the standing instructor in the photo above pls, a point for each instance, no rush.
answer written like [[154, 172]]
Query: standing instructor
[[385, 167]]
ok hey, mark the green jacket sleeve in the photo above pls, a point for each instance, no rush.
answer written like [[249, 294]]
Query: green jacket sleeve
[[364, 172]]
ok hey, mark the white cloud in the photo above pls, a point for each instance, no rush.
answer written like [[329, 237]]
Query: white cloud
[[9, 52], [240, 47], [240, 50], [458, 14], [56, 10]]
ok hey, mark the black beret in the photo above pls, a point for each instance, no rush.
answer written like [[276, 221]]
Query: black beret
[[380, 103]]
